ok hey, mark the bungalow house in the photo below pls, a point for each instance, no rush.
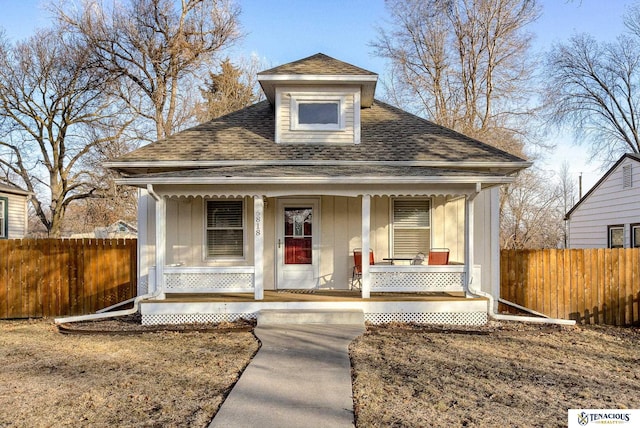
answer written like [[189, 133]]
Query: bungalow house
[[608, 216], [14, 222], [268, 207]]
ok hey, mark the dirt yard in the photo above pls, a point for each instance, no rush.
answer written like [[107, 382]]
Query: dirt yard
[[152, 379], [404, 376], [502, 375]]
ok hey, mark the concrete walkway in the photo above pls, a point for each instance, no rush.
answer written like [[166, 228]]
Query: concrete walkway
[[300, 377]]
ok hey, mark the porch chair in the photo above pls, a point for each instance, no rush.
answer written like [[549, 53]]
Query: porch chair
[[438, 256], [356, 274]]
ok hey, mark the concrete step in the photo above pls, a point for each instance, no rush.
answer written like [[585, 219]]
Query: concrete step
[[310, 316]]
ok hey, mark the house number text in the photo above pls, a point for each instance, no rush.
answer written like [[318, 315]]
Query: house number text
[[258, 221]]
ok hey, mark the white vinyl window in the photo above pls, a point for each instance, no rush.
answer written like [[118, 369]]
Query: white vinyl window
[[317, 112], [616, 236], [225, 229], [411, 227], [3, 218], [635, 236]]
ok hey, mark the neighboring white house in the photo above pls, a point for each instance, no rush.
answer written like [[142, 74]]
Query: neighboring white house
[[14, 222], [608, 216], [278, 195]]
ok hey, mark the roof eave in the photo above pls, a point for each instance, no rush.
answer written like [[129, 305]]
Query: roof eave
[[144, 181], [367, 83]]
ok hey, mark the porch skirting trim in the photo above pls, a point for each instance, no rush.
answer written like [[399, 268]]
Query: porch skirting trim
[[417, 281], [451, 318], [208, 280]]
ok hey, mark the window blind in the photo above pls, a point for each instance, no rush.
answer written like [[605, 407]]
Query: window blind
[[225, 229]]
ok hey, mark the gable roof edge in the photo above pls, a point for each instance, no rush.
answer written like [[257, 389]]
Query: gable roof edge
[[632, 156]]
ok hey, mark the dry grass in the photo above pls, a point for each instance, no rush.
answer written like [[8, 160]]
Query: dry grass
[[161, 379], [404, 376], [503, 375]]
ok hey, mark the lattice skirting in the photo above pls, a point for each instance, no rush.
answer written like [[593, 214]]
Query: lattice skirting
[[448, 318], [412, 281], [156, 319], [216, 281]]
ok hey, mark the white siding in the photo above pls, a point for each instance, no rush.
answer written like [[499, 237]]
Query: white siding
[[16, 215], [186, 231], [608, 204], [340, 233], [486, 240], [350, 133]]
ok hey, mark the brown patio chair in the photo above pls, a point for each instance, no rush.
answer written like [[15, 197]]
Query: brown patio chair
[[438, 256], [356, 274]]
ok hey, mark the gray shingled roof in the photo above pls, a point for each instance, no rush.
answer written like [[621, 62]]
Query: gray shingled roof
[[387, 134], [318, 64]]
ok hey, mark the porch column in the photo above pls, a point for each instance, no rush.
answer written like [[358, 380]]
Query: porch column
[[161, 240], [468, 239], [366, 245], [258, 247]]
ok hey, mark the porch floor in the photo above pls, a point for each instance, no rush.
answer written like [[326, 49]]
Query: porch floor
[[286, 296]]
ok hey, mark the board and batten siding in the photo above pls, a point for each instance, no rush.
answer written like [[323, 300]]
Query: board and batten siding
[[608, 204], [350, 134], [16, 215], [340, 229]]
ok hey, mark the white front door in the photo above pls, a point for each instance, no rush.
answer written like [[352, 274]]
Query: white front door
[[297, 243]]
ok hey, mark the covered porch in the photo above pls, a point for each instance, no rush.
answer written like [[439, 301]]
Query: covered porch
[[336, 233]]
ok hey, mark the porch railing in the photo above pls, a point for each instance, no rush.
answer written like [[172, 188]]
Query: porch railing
[[209, 279], [447, 278]]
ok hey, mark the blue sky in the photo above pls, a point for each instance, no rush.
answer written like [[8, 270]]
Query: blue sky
[[281, 31]]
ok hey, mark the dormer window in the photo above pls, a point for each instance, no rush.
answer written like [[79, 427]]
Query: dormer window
[[317, 112]]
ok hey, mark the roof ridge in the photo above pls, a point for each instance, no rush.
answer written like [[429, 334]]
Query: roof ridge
[[318, 64]]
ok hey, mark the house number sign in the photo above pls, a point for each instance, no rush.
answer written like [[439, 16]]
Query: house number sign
[[258, 222]]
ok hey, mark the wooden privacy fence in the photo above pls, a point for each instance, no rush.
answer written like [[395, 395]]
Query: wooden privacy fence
[[591, 286], [56, 277]]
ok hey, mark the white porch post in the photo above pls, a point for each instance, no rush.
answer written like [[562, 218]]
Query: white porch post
[[366, 245], [468, 239], [258, 247], [161, 241]]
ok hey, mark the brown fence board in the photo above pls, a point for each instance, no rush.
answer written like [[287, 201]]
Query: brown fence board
[[591, 286], [50, 277]]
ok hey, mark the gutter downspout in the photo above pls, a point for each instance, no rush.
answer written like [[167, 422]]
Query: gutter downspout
[[476, 292], [101, 314]]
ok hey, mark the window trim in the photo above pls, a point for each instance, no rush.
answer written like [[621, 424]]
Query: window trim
[[610, 229], [4, 212], [632, 240], [392, 222], [245, 223], [297, 99]]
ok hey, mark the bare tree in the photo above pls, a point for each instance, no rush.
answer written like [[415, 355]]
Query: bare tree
[[462, 63], [233, 88], [154, 47], [531, 213], [50, 109], [568, 196], [592, 87]]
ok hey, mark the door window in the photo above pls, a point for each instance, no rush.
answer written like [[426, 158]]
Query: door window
[[298, 225]]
